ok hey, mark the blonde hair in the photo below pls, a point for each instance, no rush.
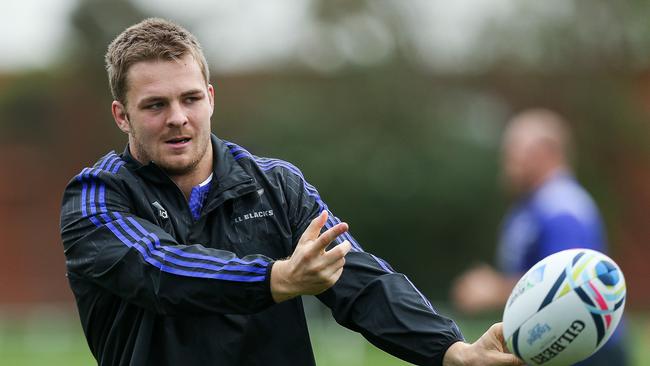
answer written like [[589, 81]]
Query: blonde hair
[[151, 39]]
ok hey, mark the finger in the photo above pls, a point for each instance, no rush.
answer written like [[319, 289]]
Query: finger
[[337, 252], [336, 275], [327, 271], [315, 226], [497, 328], [328, 236], [507, 359], [331, 280]]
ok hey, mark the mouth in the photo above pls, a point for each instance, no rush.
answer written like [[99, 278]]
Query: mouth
[[178, 141]]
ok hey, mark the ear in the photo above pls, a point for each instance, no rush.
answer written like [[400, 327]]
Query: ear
[[121, 116], [211, 97]]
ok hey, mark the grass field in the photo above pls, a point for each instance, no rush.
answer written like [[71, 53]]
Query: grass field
[[52, 336]]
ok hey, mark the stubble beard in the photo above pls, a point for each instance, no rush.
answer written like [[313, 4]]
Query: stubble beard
[[171, 169]]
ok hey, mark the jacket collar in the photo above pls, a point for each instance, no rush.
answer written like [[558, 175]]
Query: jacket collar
[[227, 173]]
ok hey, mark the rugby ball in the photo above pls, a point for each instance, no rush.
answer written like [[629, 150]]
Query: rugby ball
[[564, 308]]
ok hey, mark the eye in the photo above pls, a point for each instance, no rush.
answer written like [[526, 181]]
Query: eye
[[192, 99], [155, 106]]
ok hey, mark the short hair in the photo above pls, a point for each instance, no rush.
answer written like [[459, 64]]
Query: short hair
[[151, 39]]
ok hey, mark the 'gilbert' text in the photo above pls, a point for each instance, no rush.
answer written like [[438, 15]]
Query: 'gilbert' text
[[561, 343]]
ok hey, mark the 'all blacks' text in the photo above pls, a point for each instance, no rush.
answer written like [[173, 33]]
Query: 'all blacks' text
[[254, 215]]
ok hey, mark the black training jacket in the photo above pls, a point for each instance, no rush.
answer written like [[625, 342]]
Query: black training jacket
[[154, 286]]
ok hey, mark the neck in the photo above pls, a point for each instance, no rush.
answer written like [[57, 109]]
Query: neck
[[547, 175], [198, 175]]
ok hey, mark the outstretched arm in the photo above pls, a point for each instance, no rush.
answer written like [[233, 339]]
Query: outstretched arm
[[369, 296]]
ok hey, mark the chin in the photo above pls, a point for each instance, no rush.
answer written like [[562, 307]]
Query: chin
[[178, 167]]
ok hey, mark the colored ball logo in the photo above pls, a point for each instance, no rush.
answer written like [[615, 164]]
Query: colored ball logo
[[607, 273]]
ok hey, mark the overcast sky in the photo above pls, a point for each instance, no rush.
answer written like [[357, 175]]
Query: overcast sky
[[32, 31], [249, 34]]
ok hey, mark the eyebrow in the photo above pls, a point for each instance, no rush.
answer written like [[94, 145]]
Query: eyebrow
[[156, 98], [150, 99], [192, 92]]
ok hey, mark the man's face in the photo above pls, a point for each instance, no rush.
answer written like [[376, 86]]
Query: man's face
[[167, 114], [519, 160]]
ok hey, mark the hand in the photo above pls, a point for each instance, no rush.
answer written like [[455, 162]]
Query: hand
[[310, 270], [489, 350], [481, 288]]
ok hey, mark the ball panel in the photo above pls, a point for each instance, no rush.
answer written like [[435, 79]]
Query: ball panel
[[554, 336], [534, 286]]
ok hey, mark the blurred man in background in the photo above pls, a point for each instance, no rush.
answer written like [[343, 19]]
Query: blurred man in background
[[189, 250], [552, 212]]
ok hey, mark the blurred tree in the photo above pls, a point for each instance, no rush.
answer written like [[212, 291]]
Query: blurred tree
[[26, 105], [96, 23]]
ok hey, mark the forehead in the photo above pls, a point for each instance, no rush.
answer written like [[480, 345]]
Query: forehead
[[163, 78]]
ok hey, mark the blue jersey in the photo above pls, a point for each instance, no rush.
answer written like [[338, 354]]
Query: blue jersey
[[558, 215]]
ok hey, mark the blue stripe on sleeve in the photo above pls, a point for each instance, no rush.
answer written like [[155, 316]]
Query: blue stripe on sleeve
[[148, 244], [154, 252], [93, 208], [383, 264], [117, 167], [426, 301], [112, 159], [95, 221], [102, 199], [80, 176], [179, 252], [187, 273], [104, 160], [84, 188]]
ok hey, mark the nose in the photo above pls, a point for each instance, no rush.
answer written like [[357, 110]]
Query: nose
[[177, 115]]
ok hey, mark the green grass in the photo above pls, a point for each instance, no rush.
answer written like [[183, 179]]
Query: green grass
[[47, 337], [54, 337]]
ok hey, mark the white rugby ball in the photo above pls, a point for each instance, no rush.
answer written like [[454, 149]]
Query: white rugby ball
[[564, 308]]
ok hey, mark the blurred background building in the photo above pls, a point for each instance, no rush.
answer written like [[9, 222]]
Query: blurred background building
[[364, 96]]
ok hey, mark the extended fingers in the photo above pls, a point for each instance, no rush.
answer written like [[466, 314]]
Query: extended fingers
[[330, 235], [336, 253], [331, 263], [315, 226], [335, 257]]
